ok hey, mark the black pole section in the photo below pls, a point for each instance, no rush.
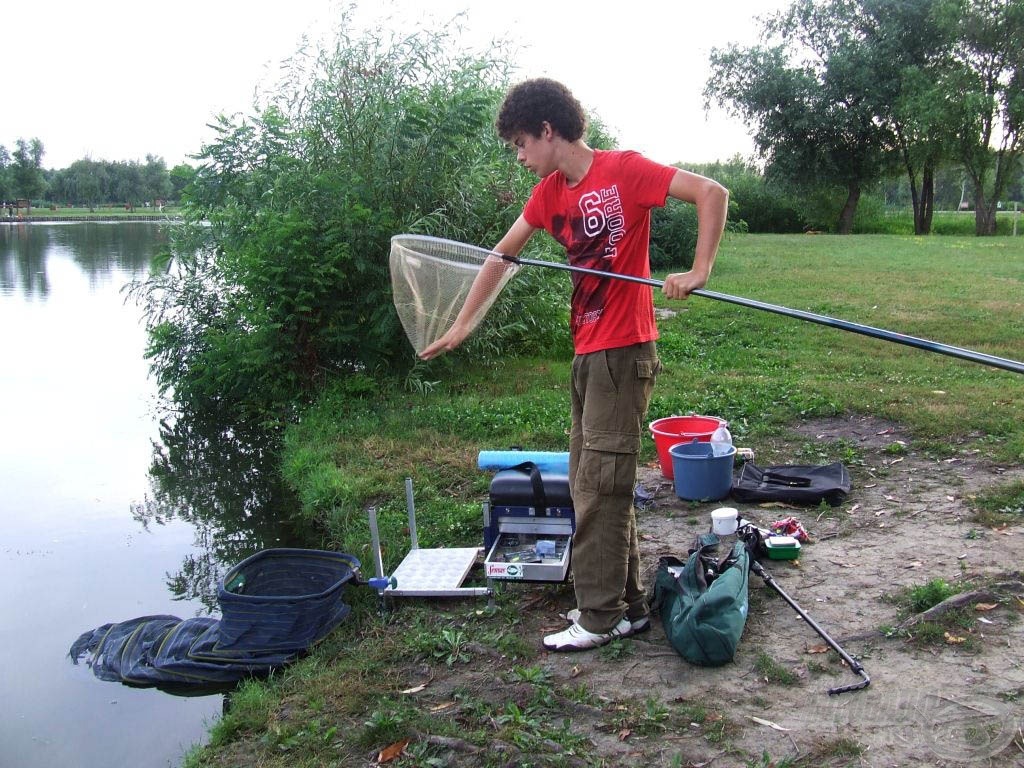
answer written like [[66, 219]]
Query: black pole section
[[864, 330], [854, 665]]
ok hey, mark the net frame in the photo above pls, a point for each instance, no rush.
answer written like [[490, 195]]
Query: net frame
[[432, 278]]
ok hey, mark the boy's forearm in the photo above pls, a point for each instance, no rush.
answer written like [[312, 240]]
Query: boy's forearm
[[712, 213], [493, 270]]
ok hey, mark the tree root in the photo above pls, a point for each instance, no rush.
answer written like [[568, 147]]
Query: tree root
[[998, 590], [991, 594]]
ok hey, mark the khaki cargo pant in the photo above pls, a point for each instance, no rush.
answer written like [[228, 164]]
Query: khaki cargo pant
[[611, 390]]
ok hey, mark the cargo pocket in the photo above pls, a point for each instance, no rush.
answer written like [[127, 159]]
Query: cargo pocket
[[607, 473], [646, 373]]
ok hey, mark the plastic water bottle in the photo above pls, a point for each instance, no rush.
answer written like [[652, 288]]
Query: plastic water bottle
[[721, 440]]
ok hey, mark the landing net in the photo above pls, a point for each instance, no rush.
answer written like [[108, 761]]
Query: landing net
[[432, 279]]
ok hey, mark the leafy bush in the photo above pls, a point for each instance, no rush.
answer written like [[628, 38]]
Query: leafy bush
[[283, 273], [673, 235], [763, 206]]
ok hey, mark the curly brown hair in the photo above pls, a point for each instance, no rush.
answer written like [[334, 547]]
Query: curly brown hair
[[531, 103]]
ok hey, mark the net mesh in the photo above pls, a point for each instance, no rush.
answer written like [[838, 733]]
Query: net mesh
[[432, 278]]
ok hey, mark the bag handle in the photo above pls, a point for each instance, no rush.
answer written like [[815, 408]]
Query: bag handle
[[540, 499], [792, 482]]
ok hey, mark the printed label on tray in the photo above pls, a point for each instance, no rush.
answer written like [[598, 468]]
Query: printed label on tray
[[504, 571]]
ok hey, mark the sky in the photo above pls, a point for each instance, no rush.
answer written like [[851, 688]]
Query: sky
[[114, 80]]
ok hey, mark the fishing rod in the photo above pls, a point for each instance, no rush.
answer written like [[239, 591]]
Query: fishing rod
[[865, 330]]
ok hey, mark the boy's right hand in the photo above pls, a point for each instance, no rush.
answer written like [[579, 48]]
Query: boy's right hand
[[680, 284], [446, 343]]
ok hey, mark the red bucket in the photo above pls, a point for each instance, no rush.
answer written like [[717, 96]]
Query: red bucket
[[680, 429]]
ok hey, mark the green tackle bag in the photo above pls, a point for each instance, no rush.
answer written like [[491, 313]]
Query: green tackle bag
[[703, 602]]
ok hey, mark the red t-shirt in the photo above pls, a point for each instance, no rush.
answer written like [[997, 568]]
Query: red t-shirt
[[604, 223]]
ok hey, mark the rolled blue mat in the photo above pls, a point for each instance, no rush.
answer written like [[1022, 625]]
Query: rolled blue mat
[[546, 461]]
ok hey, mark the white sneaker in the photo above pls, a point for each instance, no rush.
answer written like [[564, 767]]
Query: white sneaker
[[636, 627], [576, 638]]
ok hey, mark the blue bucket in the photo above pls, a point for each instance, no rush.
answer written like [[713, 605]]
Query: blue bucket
[[699, 475]]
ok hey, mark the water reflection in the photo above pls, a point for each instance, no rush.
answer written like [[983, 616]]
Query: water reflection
[[99, 250], [224, 481]]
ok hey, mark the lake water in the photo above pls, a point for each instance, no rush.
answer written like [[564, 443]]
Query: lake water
[[108, 511]]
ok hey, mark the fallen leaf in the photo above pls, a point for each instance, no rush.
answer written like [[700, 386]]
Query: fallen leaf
[[983, 620], [854, 508], [938, 391], [953, 639], [873, 485], [817, 649], [986, 606], [915, 564], [768, 723], [442, 706], [896, 461], [888, 431], [624, 734], [415, 689], [392, 751]]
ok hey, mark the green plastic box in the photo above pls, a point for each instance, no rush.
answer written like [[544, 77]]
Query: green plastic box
[[782, 548]]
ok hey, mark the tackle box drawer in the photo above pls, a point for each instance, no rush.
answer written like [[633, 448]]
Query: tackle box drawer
[[537, 555]]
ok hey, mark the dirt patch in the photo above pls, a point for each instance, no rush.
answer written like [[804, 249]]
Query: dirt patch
[[956, 700]]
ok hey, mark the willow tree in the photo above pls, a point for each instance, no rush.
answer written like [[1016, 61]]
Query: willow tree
[[367, 136]]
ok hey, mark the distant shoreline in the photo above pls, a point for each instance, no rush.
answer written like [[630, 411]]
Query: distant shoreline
[[94, 218]]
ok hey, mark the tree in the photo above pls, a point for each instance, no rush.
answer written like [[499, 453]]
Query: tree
[[807, 98], [87, 182], [127, 184], [988, 78], [27, 171], [6, 182], [180, 177], [156, 183], [908, 44]]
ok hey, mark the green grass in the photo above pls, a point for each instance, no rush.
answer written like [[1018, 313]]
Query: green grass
[[1003, 505], [107, 211], [925, 596], [761, 371], [770, 670], [944, 223]]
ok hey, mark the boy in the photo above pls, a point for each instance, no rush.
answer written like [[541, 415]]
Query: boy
[[597, 205]]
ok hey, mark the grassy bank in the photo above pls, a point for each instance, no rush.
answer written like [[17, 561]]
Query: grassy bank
[[107, 212], [760, 371]]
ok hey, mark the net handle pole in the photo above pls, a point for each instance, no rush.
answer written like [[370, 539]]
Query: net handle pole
[[865, 330]]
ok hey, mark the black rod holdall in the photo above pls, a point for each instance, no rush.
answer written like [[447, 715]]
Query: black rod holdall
[[795, 484]]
